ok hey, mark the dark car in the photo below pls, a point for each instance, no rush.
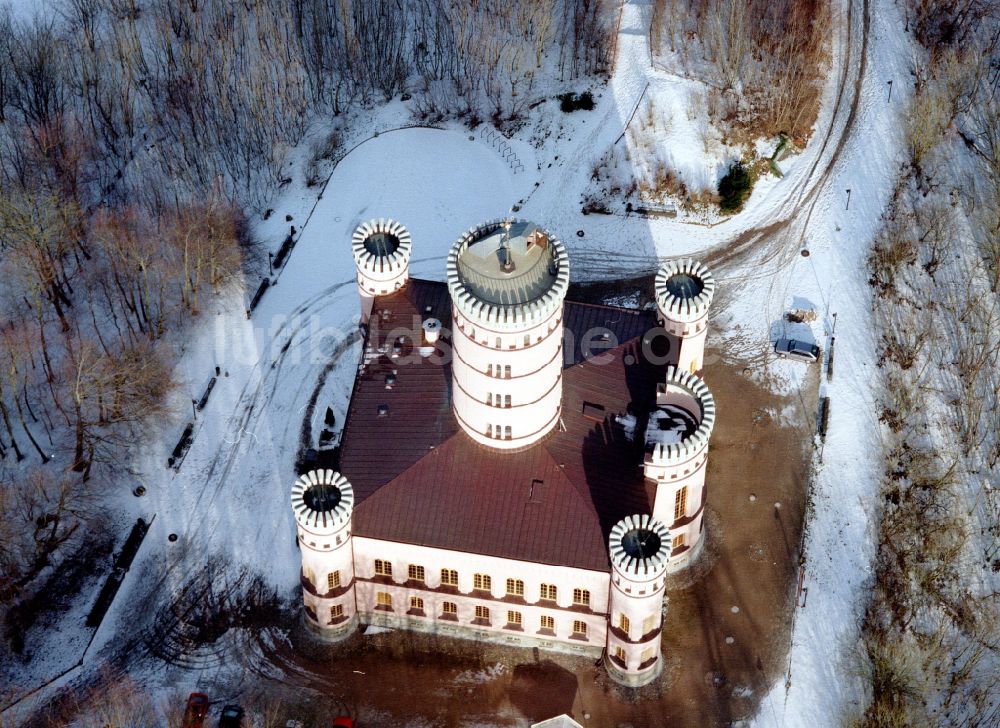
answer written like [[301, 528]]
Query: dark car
[[197, 709], [232, 717], [793, 349]]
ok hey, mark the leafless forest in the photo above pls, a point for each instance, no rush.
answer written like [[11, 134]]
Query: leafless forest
[[136, 141], [762, 58], [930, 634]]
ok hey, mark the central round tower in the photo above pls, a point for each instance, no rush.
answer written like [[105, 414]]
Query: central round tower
[[507, 280]]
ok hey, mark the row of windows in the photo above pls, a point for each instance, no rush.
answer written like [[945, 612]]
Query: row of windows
[[498, 402], [687, 471], [498, 341], [506, 432], [648, 624], [480, 582], [384, 600], [500, 372], [647, 653]]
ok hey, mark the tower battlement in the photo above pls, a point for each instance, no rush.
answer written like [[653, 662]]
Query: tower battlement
[[507, 274], [322, 501], [688, 407], [684, 290], [640, 547]]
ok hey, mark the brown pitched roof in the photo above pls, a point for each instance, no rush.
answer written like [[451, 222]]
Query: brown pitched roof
[[419, 479]]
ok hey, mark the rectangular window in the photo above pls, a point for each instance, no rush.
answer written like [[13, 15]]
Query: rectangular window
[[489, 370], [581, 596], [649, 624], [489, 399], [620, 652], [449, 608], [548, 622], [417, 603], [527, 339], [383, 599], [383, 568], [416, 572], [333, 580], [506, 400], [489, 430], [506, 371], [623, 623], [499, 342], [678, 541], [549, 591], [514, 618], [579, 628], [337, 610], [482, 581], [449, 577], [483, 613], [507, 433], [647, 654], [515, 587], [681, 503], [593, 411]]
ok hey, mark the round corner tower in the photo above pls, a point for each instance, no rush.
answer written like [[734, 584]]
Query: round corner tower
[[382, 255], [507, 280], [639, 547], [323, 502], [676, 458], [684, 291]]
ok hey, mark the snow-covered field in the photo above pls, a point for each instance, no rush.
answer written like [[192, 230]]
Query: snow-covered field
[[229, 499]]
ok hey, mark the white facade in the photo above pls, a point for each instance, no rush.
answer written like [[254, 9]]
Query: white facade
[[684, 291], [507, 333], [381, 250]]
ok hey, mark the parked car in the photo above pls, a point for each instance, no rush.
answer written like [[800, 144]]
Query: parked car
[[343, 721], [232, 717], [793, 349], [196, 711]]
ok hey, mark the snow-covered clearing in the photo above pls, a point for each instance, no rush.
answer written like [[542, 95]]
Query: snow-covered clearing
[[230, 497]]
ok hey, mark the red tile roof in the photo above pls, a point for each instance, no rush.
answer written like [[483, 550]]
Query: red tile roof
[[419, 479]]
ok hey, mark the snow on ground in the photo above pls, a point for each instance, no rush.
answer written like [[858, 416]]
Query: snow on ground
[[230, 496], [823, 675]]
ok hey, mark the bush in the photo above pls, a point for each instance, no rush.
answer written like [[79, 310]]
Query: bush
[[570, 102], [735, 187]]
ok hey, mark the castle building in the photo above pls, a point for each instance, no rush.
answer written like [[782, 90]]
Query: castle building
[[514, 467]]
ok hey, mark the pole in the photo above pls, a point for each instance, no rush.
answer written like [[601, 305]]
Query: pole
[[270, 262], [890, 92], [194, 408], [848, 200]]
